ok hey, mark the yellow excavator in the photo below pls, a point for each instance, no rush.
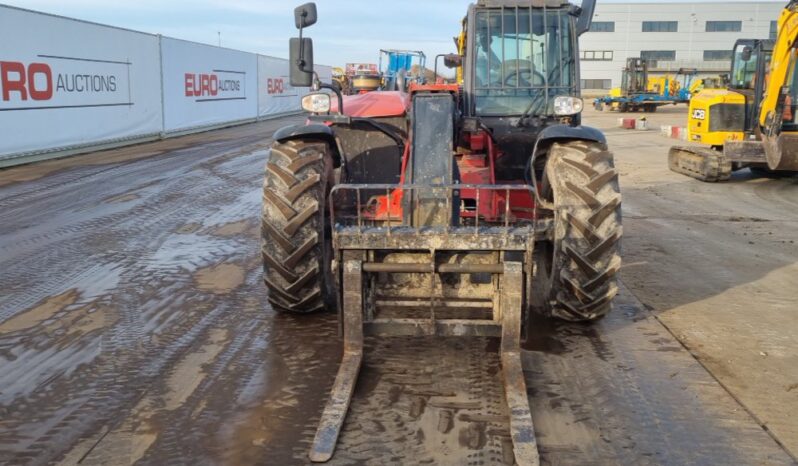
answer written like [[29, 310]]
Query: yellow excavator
[[752, 123]]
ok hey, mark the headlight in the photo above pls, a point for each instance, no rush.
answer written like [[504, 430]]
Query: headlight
[[567, 105], [316, 103]]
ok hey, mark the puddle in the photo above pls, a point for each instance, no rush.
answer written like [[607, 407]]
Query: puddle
[[189, 372], [190, 251]]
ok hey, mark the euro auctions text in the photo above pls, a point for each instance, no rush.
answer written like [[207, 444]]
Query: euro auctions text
[[63, 81]]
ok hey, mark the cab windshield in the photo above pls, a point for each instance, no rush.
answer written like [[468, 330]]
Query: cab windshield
[[524, 58], [744, 71]]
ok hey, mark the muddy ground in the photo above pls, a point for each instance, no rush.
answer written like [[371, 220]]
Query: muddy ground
[[134, 327]]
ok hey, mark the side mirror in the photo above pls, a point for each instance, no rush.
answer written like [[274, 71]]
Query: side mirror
[[746, 55], [585, 18], [300, 62], [305, 15], [452, 60]]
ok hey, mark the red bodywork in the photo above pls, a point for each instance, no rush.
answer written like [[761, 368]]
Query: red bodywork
[[476, 157], [375, 104]]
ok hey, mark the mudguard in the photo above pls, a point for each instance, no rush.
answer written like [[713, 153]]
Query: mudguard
[[584, 133], [311, 131]]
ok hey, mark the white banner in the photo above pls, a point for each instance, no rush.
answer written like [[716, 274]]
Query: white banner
[[206, 85], [324, 72], [275, 94], [67, 83]]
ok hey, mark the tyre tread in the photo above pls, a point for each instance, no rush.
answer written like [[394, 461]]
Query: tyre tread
[[588, 202], [292, 220]]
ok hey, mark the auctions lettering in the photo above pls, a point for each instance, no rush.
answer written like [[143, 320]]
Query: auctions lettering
[[36, 81]]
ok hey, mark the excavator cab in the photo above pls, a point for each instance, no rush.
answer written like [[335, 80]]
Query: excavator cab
[[752, 124], [749, 76], [726, 119], [750, 60]]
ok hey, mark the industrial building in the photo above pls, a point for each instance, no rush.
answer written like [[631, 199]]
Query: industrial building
[[671, 35]]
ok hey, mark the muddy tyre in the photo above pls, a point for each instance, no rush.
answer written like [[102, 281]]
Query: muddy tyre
[[294, 229], [578, 264]]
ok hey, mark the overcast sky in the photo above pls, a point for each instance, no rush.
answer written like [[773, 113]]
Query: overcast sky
[[347, 31]]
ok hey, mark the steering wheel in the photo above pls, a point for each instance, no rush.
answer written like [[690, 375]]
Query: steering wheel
[[523, 71]]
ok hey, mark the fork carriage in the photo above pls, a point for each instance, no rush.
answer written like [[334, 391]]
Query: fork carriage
[[412, 277]]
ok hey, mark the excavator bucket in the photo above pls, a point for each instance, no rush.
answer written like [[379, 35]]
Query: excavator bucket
[[405, 277]]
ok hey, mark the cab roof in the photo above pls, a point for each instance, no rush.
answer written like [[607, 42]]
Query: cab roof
[[523, 3]]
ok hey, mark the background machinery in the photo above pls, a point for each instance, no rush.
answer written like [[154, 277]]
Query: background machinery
[[363, 77], [340, 80], [447, 210], [401, 68], [678, 86], [752, 123], [708, 82], [640, 92]]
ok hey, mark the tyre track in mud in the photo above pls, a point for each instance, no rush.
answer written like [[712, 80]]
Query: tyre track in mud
[[141, 221], [191, 366], [118, 377]]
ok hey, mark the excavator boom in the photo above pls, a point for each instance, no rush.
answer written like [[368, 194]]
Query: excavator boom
[[777, 115]]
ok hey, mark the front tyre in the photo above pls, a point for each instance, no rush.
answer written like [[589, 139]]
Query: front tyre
[[295, 245], [579, 264]]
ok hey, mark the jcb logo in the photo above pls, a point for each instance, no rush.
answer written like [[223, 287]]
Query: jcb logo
[[699, 114], [34, 81], [274, 86]]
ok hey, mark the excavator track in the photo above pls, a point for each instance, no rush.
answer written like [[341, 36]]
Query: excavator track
[[700, 163]]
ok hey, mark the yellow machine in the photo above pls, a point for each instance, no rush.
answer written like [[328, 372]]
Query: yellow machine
[[340, 79], [460, 42], [663, 85], [672, 85], [716, 116], [710, 82], [752, 122]]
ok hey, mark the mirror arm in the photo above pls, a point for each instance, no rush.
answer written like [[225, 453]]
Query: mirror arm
[[320, 85], [300, 61], [435, 67]]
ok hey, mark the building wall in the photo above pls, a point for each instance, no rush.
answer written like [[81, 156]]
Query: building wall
[[689, 41]]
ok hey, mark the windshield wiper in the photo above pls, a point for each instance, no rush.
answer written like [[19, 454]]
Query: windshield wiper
[[532, 109]]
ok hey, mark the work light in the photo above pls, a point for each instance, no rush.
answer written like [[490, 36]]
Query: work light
[[317, 102], [567, 105]]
